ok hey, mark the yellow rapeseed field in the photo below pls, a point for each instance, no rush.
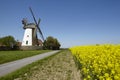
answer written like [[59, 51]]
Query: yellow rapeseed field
[[98, 62]]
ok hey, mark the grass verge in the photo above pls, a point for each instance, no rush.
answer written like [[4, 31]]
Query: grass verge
[[27, 69], [7, 56], [59, 67]]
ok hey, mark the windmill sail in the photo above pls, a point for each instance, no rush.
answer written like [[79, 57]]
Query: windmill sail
[[39, 29], [37, 24]]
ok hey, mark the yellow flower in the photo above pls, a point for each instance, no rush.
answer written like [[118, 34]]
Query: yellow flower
[[88, 76], [100, 60], [112, 71], [108, 78], [84, 79], [116, 77], [101, 77]]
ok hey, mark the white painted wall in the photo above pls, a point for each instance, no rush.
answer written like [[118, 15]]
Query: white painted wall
[[27, 38]]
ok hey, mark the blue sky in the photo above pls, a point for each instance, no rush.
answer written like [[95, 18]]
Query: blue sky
[[72, 22]]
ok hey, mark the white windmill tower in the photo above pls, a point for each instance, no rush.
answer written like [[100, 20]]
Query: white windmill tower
[[30, 39]]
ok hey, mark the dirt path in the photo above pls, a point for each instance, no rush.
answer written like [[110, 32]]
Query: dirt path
[[12, 66], [59, 67]]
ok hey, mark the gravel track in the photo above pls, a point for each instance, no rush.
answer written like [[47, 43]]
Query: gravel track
[[12, 66]]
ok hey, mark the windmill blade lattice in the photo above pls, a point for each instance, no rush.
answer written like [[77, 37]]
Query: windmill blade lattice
[[37, 24]]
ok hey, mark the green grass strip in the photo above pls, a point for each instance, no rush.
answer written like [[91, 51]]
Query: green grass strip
[[7, 56], [27, 69]]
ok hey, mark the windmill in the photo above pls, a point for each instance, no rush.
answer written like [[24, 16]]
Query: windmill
[[30, 38]]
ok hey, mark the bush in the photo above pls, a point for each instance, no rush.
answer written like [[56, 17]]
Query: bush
[[51, 43], [8, 43]]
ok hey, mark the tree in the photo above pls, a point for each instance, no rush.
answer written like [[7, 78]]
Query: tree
[[7, 41], [51, 43]]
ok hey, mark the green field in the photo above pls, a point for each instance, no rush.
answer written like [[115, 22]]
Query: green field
[[7, 56]]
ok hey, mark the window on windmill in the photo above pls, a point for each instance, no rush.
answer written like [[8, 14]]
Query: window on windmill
[[26, 42], [27, 35]]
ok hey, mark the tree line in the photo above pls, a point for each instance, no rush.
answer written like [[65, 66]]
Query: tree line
[[9, 42]]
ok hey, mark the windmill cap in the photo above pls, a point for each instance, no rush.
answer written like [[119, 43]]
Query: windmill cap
[[30, 25]]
